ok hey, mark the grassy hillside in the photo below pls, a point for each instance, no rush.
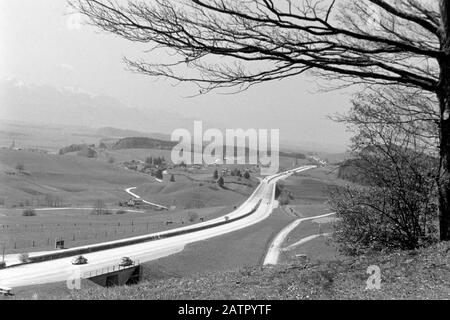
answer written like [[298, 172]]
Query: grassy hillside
[[143, 143], [187, 193], [422, 274], [77, 180]]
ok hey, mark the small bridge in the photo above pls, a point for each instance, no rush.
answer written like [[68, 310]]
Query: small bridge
[[116, 275]]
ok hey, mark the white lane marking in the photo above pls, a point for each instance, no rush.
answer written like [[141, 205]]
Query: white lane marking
[[275, 248]]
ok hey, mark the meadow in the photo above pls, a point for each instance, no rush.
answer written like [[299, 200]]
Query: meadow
[[19, 234]]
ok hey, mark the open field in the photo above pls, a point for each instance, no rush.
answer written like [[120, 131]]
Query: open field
[[78, 181], [197, 194], [48, 137], [78, 227], [310, 188], [306, 229], [320, 249], [309, 199]]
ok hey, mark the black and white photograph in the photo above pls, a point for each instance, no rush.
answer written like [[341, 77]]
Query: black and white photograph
[[227, 157]]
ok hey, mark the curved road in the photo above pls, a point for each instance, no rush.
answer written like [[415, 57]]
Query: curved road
[[145, 201], [275, 247], [62, 269]]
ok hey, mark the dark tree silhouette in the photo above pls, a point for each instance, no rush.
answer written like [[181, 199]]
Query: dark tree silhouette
[[373, 42], [221, 182]]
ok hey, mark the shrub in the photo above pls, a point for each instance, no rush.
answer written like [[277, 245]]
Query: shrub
[[159, 174], [221, 182], [396, 162], [193, 216], [29, 213], [121, 212], [20, 167], [2, 264], [101, 212], [285, 198], [398, 209], [88, 152]]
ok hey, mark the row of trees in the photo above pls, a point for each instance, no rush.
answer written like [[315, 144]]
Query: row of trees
[[157, 161], [234, 173]]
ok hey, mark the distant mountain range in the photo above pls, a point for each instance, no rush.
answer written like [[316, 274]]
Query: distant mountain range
[[95, 116], [51, 106]]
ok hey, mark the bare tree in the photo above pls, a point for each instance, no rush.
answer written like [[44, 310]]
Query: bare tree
[[396, 158], [396, 161], [100, 208], [410, 115], [387, 42]]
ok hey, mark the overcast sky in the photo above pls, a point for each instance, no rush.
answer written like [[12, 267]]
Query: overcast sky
[[41, 43]]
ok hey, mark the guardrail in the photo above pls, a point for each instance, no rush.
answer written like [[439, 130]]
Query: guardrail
[[110, 269], [101, 247]]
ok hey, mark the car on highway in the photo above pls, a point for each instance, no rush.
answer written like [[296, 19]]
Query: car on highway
[[126, 262], [80, 260]]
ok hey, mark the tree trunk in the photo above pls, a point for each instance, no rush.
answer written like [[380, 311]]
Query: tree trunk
[[444, 181], [444, 103]]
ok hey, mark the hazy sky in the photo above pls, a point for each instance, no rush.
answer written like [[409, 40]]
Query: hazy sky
[[41, 43]]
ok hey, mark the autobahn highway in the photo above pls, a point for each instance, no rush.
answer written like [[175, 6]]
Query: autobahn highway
[[260, 204]]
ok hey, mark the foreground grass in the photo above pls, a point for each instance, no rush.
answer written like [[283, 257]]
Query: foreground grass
[[421, 274]]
